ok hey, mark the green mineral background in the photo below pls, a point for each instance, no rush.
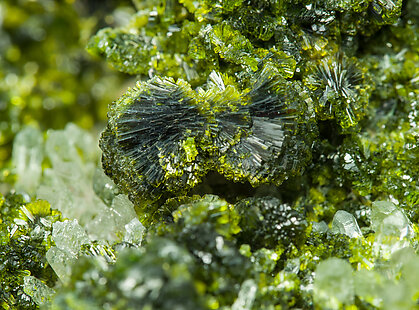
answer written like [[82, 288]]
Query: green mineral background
[[340, 231]]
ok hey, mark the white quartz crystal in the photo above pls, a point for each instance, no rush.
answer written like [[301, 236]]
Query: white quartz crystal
[[345, 223], [333, 284], [27, 159], [37, 290]]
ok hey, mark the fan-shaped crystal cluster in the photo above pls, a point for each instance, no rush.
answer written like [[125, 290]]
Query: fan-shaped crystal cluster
[[163, 137], [341, 89]]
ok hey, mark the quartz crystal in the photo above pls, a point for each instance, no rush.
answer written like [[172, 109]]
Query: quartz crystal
[[393, 229], [69, 236], [73, 185], [246, 296], [333, 284], [134, 232], [61, 262], [345, 223], [27, 159], [38, 291]]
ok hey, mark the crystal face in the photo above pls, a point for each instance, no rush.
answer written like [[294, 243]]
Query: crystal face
[[345, 223]]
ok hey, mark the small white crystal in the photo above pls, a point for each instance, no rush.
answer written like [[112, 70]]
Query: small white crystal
[[293, 265], [123, 210], [393, 230], [333, 284], [27, 159], [320, 227], [61, 262], [102, 226], [69, 236], [246, 296], [134, 232], [345, 223], [71, 145], [380, 210], [38, 291], [110, 222]]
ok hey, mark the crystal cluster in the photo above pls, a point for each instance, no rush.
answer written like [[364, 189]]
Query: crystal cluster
[[163, 137], [25, 238], [266, 158]]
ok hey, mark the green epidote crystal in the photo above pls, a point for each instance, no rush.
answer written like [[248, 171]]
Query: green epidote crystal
[[127, 52], [157, 276], [163, 137], [147, 145], [269, 223], [341, 89], [267, 157], [230, 45], [25, 238]]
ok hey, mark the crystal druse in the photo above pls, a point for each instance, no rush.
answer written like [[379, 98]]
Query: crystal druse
[[266, 156]]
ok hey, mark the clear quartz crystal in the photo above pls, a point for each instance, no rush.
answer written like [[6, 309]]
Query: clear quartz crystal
[[393, 229], [69, 236], [74, 186], [37, 290], [123, 210], [67, 185], [27, 159], [320, 227], [333, 284], [104, 187], [61, 262], [345, 223], [134, 232], [246, 296]]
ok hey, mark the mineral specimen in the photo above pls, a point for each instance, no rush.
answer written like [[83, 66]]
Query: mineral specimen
[[269, 150]]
